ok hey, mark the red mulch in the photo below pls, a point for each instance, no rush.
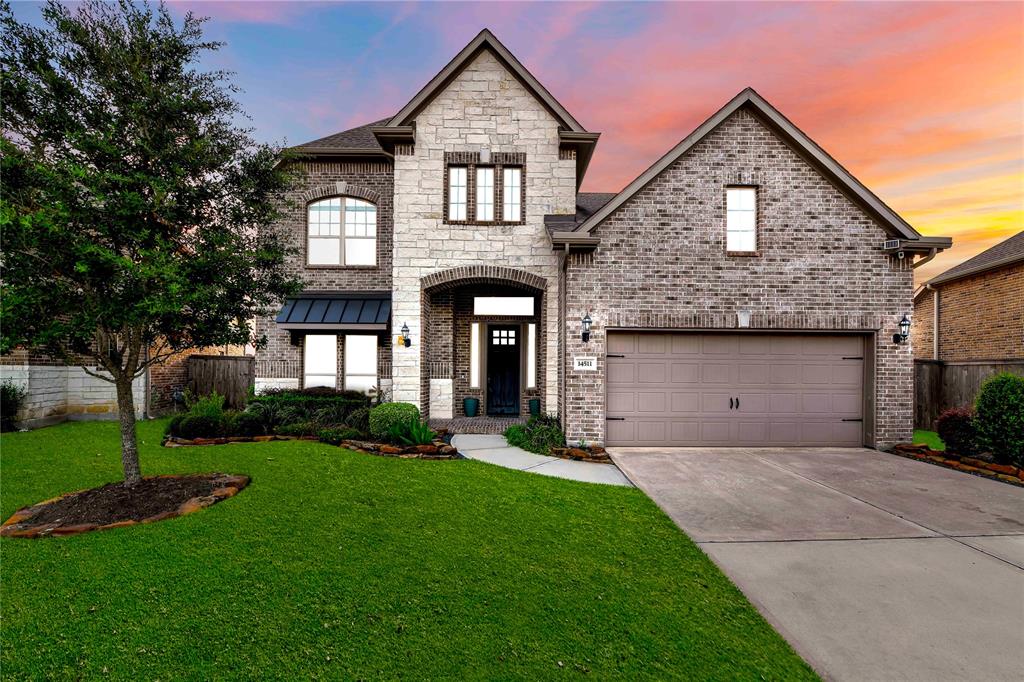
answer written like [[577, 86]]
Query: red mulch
[[114, 504]]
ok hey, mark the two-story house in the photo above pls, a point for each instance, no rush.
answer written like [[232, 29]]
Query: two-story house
[[743, 290]]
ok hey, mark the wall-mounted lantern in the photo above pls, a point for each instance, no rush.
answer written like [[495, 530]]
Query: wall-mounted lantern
[[586, 322], [904, 332], [404, 339]]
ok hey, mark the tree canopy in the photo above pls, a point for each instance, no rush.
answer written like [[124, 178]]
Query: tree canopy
[[136, 211]]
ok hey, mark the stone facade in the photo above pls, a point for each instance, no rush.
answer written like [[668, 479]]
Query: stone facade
[[662, 264], [485, 110], [980, 318]]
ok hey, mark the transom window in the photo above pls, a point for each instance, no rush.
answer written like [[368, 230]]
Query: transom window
[[741, 219], [342, 231], [503, 305]]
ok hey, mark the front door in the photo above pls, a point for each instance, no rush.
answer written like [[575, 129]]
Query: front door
[[503, 370]]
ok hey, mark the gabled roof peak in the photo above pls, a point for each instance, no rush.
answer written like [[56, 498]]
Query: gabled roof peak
[[484, 40]]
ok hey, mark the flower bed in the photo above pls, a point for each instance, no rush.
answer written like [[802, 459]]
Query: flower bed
[[438, 449], [115, 506], [1007, 473]]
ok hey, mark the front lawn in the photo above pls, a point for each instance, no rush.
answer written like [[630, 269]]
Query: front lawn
[[339, 565], [929, 438]]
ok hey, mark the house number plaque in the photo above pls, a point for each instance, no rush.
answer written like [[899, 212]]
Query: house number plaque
[[584, 363]]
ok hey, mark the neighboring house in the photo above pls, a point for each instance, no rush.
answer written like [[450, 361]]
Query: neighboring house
[[57, 392], [968, 325], [744, 290], [975, 310]]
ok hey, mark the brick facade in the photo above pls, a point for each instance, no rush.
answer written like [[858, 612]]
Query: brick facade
[[662, 264], [280, 363], [980, 317]]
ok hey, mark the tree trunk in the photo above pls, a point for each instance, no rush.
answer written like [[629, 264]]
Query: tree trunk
[[129, 442]]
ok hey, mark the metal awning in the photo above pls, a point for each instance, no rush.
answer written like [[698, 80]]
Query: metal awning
[[336, 312]]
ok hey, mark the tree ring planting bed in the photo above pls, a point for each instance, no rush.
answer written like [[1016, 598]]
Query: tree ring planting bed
[[114, 505]]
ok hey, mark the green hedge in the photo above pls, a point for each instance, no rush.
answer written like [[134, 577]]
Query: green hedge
[[999, 418], [539, 435]]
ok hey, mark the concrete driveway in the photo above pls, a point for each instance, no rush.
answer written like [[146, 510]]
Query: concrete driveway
[[874, 567]]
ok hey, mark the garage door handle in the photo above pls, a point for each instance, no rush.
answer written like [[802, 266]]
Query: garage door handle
[[730, 403], [737, 403], [853, 420], [613, 355], [615, 419]]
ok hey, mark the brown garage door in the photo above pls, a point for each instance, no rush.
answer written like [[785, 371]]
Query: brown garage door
[[734, 389]]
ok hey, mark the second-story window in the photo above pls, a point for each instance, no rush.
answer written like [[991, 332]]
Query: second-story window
[[457, 192], [512, 186], [484, 193], [342, 231], [741, 219]]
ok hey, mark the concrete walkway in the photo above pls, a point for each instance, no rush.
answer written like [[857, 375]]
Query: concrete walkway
[[494, 449], [873, 566]]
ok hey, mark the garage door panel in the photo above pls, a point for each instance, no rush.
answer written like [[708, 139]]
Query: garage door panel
[[685, 373], [676, 389]]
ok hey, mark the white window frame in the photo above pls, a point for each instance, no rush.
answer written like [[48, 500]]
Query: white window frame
[[531, 355], [741, 219], [511, 188], [485, 193], [458, 192], [356, 220], [474, 355], [360, 362], [320, 343], [518, 306]]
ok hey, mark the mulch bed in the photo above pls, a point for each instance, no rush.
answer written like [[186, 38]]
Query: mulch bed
[[1007, 473], [594, 453], [114, 505]]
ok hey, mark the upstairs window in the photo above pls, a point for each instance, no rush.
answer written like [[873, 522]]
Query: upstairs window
[[484, 193], [741, 219], [342, 231], [457, 192], [512, 187]]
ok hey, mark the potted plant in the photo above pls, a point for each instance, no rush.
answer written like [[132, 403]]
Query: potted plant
[[471, 406]]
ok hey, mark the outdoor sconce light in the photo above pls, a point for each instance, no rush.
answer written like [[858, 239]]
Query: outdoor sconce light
[[904, 332], [586, 327], [404, 339]]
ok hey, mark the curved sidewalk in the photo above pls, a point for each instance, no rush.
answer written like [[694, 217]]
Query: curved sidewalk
[[495, 450]]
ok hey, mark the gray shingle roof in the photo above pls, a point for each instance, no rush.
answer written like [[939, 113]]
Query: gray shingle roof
[[354, 138], [1004, 253], [589, 203]]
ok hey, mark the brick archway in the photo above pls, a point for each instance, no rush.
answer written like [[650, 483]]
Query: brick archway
[[482, 274], [341, 188]]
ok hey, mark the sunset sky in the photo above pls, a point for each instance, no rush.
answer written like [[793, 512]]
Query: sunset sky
[[923, 102]]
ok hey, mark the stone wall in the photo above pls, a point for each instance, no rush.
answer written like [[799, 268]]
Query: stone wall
[[484, 108], [662, 264]]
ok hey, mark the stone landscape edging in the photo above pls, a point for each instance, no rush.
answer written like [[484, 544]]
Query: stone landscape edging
[[229, 486], [594, 453], [439, 449], [1007, 473]]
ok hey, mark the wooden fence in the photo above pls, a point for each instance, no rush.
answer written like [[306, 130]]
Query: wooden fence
[[230, 375], [940, 385]]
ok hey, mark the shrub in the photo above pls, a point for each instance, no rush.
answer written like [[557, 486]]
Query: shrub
[[412, 432], [335, 435], [383, 417], [247, 424], [283, 407], [200, 426], [269, 414], [313, 392], [359, 419], [12, 399], [174, 426], [539, 435], [211, 405], [298, 429], [999, 418], [955, 427]]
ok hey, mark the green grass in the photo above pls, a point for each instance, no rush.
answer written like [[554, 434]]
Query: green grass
[[338, 565], [929, 438]]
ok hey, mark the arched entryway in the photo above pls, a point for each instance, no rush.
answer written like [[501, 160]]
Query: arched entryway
[[484, 338]]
